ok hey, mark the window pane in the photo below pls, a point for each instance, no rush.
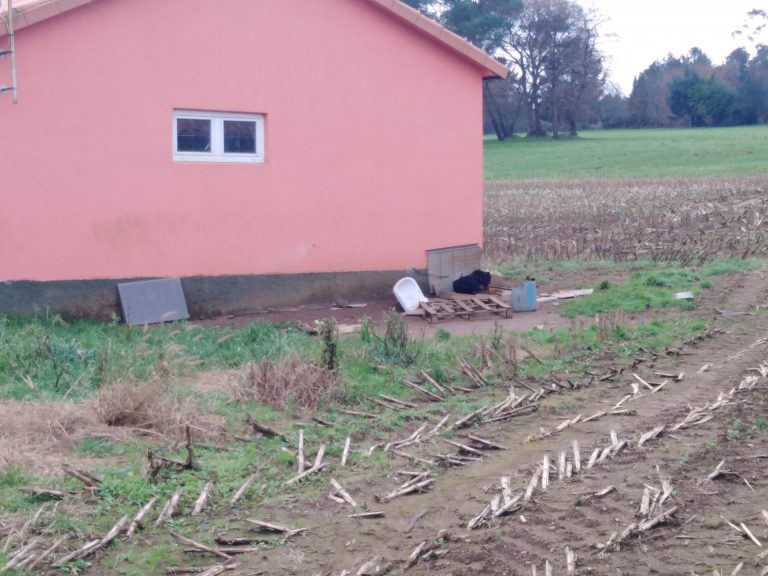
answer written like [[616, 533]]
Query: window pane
[[193, 135], [239, 137]]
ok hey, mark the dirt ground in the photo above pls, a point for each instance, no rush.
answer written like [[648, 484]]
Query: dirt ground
[[546, 316], [696, 539]]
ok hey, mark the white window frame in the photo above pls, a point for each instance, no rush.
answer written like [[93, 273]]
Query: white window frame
[[217, 153]]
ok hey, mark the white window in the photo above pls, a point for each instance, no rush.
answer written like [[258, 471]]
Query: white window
[[217, 137]]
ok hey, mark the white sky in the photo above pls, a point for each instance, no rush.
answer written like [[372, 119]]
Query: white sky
[[648, 30]]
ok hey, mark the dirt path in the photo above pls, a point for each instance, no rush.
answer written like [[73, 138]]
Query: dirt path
[[562, 516]]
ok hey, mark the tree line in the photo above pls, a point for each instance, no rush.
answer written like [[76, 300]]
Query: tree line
[[558, 82], [690, 90]]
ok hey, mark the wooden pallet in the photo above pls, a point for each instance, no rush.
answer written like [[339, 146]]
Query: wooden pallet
[[464, 306]]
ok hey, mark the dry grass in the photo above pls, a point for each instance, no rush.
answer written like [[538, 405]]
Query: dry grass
[[684, 221], [153, 406], [284, 382], [37, 436]]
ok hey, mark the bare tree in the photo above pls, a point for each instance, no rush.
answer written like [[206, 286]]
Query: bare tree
[[553, 49]]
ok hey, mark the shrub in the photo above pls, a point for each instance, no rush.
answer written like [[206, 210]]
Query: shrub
[[284, 382], [329, 337], [151, 405], [395, 347]]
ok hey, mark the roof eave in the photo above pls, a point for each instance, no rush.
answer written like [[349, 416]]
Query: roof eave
[[32, 13], [29, 14], [491, 67]]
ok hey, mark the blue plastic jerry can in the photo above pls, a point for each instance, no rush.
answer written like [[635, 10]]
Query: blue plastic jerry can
[[524, 297]]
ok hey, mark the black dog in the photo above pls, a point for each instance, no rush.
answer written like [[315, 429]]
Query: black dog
[[473, 283]]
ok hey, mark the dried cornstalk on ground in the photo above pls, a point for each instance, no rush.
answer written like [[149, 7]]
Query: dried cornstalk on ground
[[650, 435], [261, 526], [169, 510], [703, 414], [415, 484], [262, 429], [341, 492], [202, 500], [96, 545], [427, 550], [237, 496], [300, 477], [85, 477], [138, 520], [345, 455]]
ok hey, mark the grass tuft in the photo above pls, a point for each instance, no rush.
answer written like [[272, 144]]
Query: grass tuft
[[154, 406], [287, 382]]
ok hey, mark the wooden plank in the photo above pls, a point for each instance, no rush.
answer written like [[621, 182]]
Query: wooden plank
[[482, 304], [499, 303]]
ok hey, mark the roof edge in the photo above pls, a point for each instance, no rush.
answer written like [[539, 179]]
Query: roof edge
[[454, 42], [29, 14], [33, 12]]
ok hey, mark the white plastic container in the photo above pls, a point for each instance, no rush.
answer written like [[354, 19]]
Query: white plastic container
[[409, 294]]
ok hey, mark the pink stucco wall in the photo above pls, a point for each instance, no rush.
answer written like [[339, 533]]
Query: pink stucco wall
[[374, 149]]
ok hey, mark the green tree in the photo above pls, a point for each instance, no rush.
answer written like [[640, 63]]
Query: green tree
[[704, 102]]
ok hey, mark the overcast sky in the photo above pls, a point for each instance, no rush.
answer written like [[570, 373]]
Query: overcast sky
[[641, 31]]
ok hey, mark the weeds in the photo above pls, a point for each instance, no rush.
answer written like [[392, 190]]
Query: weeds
[[46, 357], [498, 341], [643, 291], [99, 447], [329, 341], [395, 346], [286, 382], [733, 432], [442, 335], [12, 477]]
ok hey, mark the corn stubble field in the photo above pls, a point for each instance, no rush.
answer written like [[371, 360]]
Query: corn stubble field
[[682, 221], [629, 437]]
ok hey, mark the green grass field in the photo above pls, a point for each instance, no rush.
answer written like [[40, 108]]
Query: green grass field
[[631, 154]]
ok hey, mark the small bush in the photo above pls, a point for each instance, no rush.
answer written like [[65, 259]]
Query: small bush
[[442, 335], [366, 332], [12, 477], [395, 347], [151, 405], [498, 342], [288, 381], [329, 337]]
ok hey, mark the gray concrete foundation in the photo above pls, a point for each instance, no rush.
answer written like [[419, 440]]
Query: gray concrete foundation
[[207, 296]]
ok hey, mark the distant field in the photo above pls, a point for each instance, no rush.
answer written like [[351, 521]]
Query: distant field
[[631, 154]]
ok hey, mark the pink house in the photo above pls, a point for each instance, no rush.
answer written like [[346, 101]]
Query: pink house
[[265, 151]]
